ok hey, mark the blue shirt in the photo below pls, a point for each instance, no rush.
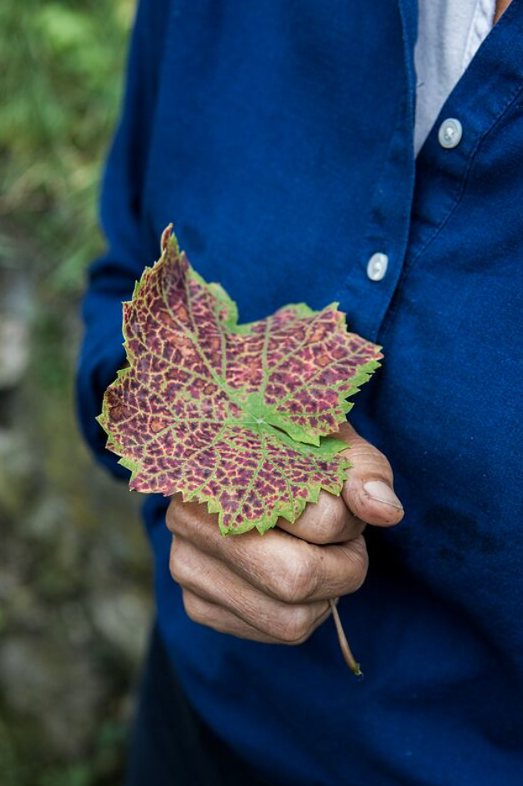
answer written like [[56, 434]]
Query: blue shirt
[[278, 136]]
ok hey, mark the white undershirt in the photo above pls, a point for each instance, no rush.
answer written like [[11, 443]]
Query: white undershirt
[[449, 35]]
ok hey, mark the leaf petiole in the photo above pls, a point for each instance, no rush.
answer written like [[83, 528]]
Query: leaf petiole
[[344, 644]]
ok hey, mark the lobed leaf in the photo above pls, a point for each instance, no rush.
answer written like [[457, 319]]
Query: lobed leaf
[[237, 416]]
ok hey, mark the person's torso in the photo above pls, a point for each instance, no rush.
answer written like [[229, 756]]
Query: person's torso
[[283, 152]]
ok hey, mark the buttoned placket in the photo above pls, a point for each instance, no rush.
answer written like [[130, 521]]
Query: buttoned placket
[[411, 202], [487, 89], [385, 240]]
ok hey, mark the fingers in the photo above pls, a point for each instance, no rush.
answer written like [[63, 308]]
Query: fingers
[[241, 608], [327, 521], [282, 566], [276, 588], [369, 491], [214, 616]]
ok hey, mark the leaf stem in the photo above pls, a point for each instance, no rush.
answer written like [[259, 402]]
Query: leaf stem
[[344, 644]]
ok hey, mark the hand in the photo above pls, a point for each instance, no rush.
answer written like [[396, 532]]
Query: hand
[[276, 588]]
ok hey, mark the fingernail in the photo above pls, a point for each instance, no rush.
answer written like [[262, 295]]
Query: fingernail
[[379, 491]]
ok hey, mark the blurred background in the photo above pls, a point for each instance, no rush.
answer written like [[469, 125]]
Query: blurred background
[[74, 564]]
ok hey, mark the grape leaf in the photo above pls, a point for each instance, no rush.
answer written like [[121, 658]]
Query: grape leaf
[[238, 416]]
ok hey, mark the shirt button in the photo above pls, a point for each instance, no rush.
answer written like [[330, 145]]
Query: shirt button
[[450, 133], [377, 266]]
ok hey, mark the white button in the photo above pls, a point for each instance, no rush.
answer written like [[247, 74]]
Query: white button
[[377, 266], [450, 133]]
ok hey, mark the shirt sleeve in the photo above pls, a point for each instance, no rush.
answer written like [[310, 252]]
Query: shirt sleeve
[[129, 244]]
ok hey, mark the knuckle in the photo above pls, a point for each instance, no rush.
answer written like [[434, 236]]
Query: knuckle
[[370, 461], [194, 608], [174, 564], [297, 580], [179, 561], [335, 525], [176, 568], [330, 522], [175, 514], [359, 563], [298, 625]]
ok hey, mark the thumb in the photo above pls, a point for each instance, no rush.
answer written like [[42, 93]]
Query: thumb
[[368, 491]]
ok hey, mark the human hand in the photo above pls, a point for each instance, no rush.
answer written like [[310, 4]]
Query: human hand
[[277, 588]]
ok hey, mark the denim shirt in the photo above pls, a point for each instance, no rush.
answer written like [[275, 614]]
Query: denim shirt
[[278, 136]]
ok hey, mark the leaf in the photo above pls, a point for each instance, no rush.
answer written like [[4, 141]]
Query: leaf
[[237, 416]]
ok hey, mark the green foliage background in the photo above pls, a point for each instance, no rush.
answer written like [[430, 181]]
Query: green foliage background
[[61, 71], [74, 562]]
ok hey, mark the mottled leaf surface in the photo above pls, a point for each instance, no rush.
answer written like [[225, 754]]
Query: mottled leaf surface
[[237, 416]]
